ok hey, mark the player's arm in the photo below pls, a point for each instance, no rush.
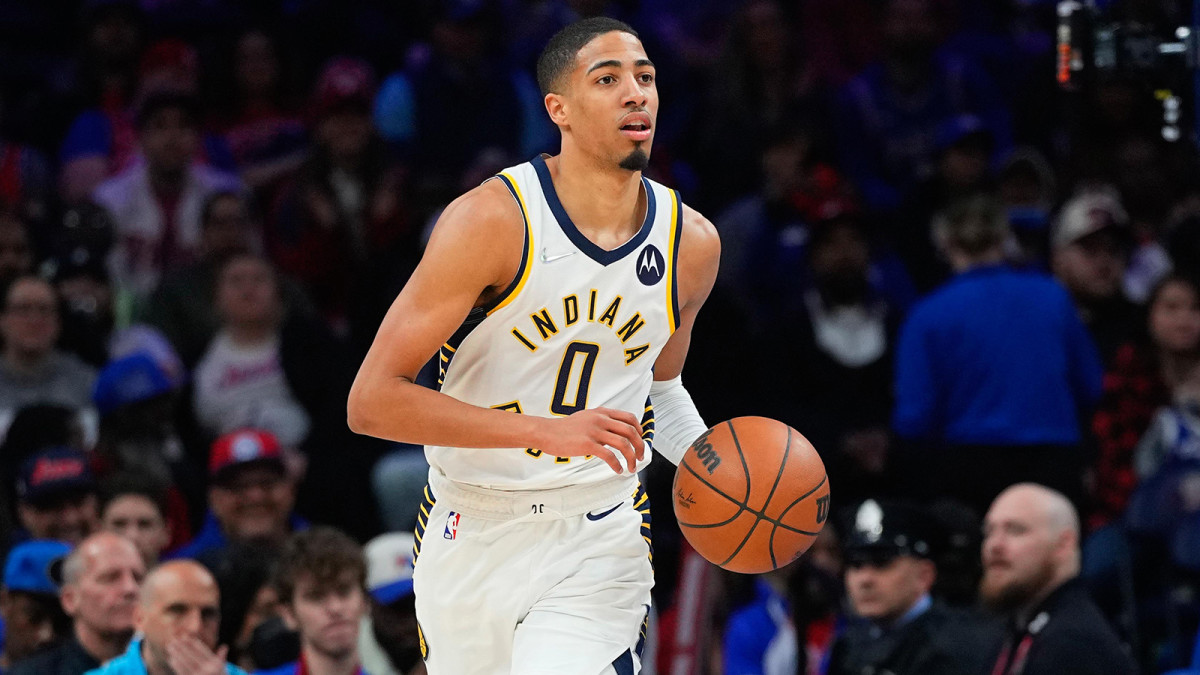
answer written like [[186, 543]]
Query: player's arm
[[677, 422], [474, 252]]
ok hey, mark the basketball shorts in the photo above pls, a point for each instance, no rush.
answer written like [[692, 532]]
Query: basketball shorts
[[533, 583]]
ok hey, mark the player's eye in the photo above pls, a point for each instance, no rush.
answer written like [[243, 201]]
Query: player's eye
[[646, 78], [607, 79]]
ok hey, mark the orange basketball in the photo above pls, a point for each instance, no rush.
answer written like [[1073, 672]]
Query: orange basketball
[[751, 495]]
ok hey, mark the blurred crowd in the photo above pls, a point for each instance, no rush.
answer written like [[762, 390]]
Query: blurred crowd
[[950, 274]]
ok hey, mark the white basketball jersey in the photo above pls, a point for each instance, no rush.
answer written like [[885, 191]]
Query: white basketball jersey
[[579, 327]]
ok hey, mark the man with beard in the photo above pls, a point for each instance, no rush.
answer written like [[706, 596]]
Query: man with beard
[[900, 629], [99, 581], [177, 618], [321, 581], [1030, 565]]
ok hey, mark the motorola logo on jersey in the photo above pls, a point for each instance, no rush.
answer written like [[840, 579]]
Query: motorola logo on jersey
[[650, 266]]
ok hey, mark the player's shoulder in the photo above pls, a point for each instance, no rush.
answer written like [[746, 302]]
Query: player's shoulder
[[699, 242], [483, 213]]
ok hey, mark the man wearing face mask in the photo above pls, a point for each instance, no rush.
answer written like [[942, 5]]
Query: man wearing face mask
[[900, 628]]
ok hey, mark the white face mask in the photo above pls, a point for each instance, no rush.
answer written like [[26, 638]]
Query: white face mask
[[853, 335]]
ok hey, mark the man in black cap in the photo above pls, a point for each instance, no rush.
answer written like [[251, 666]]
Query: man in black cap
[[56, 496], [901, 630]]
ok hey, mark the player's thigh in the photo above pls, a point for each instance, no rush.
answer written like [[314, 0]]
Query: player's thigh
[[596, 615], [467, 602]]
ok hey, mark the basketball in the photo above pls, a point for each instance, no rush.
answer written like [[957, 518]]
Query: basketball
[[751, 495]]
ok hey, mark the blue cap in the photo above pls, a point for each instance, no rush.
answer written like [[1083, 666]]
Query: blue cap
[[955, 129], [53, 473], [127, 380], [28, 566]]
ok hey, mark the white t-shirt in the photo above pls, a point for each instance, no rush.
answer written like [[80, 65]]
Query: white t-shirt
[[243, 386]]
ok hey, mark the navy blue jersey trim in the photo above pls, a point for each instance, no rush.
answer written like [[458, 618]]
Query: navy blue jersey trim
[[512, 286], [581, 242], [448, 349], [675, 257]]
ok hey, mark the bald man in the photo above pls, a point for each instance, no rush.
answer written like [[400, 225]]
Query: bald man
[[177, 615], [99, 590], [1030, 565]]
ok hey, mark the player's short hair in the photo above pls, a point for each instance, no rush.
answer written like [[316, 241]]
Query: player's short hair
[[559, 55], [322, 554]]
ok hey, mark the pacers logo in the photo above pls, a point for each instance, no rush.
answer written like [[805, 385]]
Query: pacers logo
[[650, 266]]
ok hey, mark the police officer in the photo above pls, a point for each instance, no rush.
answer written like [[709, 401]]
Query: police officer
[[898, 628]]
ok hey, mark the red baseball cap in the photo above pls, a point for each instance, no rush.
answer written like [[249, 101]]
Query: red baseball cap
[[241, 448], [344, 81]]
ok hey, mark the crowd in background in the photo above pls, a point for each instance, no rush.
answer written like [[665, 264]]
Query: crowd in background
[[947, 272]]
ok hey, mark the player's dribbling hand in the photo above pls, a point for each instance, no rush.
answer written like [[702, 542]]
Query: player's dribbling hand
[[612, 435]]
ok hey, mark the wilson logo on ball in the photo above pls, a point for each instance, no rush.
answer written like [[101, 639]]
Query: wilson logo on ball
[[822, 508], [708, 456]]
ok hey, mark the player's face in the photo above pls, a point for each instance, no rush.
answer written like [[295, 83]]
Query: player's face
[[327, 614], [884, 592], [611, 102]]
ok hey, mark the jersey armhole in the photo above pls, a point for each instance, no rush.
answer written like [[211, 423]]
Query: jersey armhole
[[522, 275]]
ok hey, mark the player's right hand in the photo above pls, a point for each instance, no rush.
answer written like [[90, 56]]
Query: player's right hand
[[614, 436]]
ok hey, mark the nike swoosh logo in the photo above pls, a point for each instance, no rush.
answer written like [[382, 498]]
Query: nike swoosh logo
[[547, 258], [598, 516]]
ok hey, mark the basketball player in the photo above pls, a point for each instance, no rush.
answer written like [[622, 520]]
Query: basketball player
[[561, 296]]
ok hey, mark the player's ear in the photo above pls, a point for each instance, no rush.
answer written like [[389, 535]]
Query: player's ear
[[556, 106]]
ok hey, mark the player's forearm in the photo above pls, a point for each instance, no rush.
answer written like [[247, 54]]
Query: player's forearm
[[399, 410]]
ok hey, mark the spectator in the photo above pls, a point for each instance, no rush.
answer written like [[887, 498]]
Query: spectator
[[103, 142], [16, 253], [901, 629], [183, 305], [390, 643], [135, 506], [138, 398], [834, 346], [993, 371], [1026, 185], [241, 381], [1030, 562], [338, 227], [177, 618], [56, 496], [99, 584], [321, 581], [88, 311], [267, 137], [1143, 378], [31, 369], [962, 147], [1091, 246], [427, 111], [250, 497], [33, 619], [156, 204], [887, 117], [248, 600], [761, 80]]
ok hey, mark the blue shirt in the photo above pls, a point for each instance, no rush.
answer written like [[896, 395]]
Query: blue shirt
[[130, 663], [211, 536], [757, 632], [996, 356]]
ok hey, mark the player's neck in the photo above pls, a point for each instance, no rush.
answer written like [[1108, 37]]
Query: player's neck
[[606, 204]]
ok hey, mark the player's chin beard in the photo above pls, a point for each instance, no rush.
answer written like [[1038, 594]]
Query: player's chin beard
[[637, 160]]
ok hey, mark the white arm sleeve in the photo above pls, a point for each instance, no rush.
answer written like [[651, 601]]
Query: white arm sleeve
[[677, 423]]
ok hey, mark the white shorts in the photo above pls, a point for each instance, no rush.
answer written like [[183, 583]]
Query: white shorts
[[533, 583]]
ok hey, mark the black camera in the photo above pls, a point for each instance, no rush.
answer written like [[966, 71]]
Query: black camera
[[1091, 47]]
